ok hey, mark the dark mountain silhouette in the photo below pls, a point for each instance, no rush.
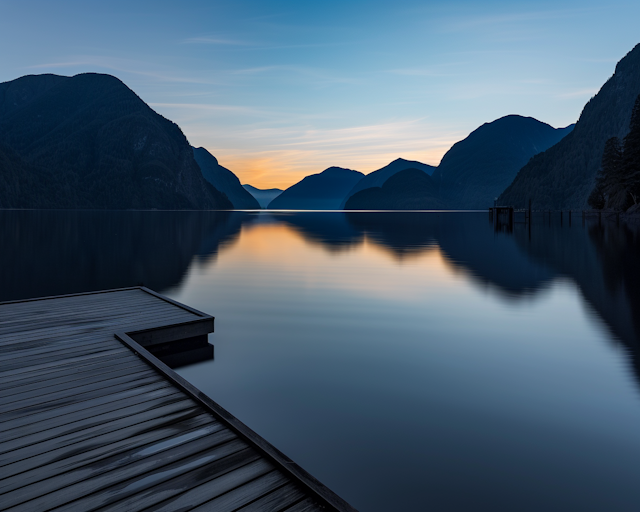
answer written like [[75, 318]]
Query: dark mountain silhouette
[[477, 169], [89, 142], [410, 189], [378, 178], [324, 191], [564, 175], [263, 196], [224, 180], [19, 180]]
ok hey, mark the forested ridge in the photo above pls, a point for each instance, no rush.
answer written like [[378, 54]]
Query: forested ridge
[[88, 141], [564, 175], [617, 183]]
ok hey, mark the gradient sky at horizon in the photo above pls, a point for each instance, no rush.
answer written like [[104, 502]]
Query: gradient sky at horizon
[[277, 90]]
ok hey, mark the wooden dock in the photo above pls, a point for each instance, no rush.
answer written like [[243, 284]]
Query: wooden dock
[[90, 419]]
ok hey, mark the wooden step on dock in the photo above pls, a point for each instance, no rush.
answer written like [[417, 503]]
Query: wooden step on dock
[[91, 420]]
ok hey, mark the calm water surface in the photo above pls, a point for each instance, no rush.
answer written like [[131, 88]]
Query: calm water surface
[[410, 361]]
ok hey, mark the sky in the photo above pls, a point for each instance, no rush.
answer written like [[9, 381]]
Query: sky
[[277, 90]]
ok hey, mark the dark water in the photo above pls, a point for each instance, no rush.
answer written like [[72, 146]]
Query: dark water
[[410, 361]]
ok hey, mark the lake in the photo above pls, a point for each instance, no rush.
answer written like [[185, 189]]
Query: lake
[[409, 361]]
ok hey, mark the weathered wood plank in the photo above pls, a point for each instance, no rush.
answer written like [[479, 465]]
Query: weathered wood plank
[[105, 313], [56, 398], [186, 491], [91, 443], [307, 505], [102, 417], [19, 380], [92, 489], [35, 333], [72, 387], [245, 494], [78, 374], [130, 448], [25, 364], [185, 406], [101, 296], [21, 318], [275, 501], [77, 401], [42, 366], [126, 495], [18, 419], [88, 325], [30, 427], [31, 357]]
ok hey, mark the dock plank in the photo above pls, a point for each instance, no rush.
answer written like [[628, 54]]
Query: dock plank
[[90, 419], [128, 448], [81, 416], [278, 500], [102, 488], [83, 403], [245, 494]]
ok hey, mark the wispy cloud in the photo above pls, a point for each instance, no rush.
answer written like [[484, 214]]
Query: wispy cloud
[[128, 66], [218, 41], [439, 70], [587, 93], [466, 23], [235, 109]]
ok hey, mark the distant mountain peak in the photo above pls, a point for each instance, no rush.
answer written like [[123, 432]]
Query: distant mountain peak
[[263, 196], [323, 191], [378, 177]]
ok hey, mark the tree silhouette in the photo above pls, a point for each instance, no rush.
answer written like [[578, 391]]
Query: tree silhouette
[[617, 183], [631, 158], [608, 179]]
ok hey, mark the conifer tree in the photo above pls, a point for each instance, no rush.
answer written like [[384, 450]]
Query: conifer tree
[[631, 158], [609, 176]]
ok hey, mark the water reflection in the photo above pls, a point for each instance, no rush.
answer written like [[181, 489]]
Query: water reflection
[[54, 252], [47, 253], [472, 340]]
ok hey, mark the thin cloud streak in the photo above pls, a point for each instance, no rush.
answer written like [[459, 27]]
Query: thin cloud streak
[[590, 92], [119, 65], [217, 41], [509, 19]]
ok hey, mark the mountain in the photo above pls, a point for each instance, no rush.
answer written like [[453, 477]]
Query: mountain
[[564, 175], [88, 141], [477, 169], [263, 196], [324, 191], [224, 180], [410, 189], [377, 178]]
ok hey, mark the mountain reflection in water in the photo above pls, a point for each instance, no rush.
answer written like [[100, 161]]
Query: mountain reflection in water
[[54, 252], [58, 252]]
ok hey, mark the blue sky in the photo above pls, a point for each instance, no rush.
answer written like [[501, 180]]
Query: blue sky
[[281, 89]]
